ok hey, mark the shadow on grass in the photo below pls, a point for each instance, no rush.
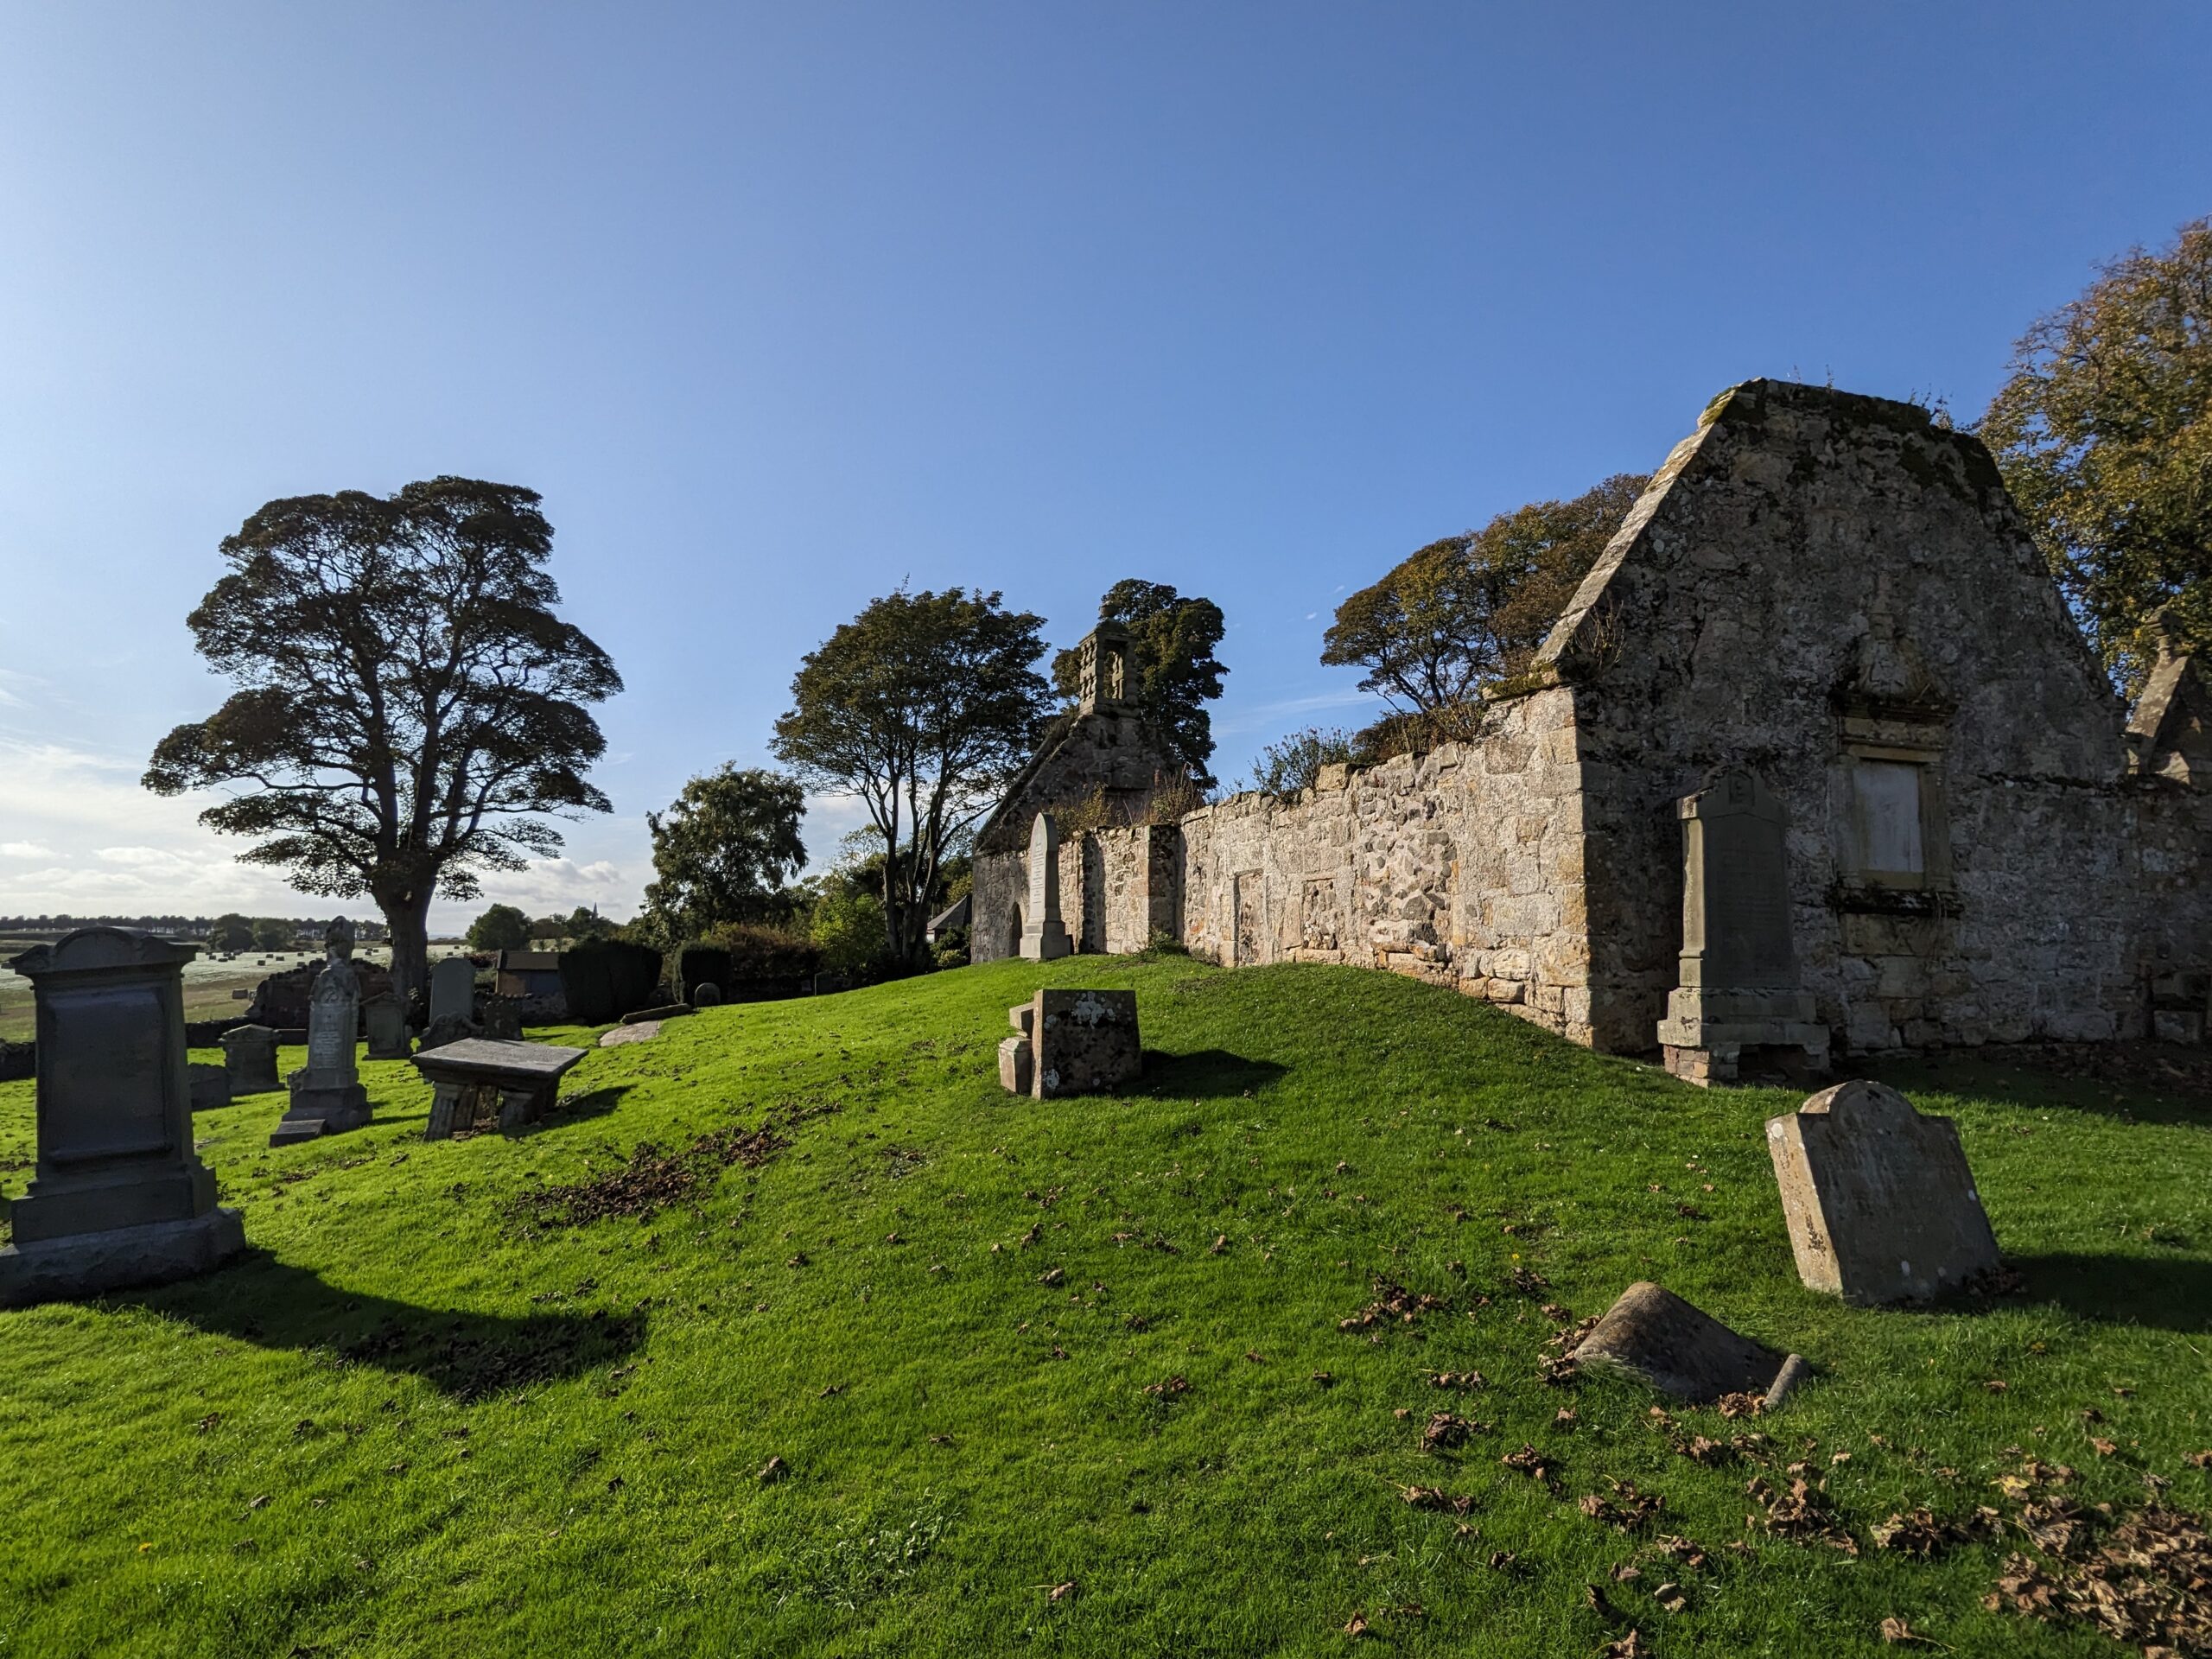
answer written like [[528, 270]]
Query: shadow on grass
[[2134, 1083], [2174, 1295], [575, 1109], [1210, 1073], [466, 1356]]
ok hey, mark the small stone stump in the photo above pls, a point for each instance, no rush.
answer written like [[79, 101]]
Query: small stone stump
[[1083, 1042], [484, 1083], [1656, 1337], [1881, 1205], [119, 1198], [384, 1019], [1044, 935], [327, 1097], [250, 1056]]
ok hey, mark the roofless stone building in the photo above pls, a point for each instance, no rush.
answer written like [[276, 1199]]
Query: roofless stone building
[[1821, 686]]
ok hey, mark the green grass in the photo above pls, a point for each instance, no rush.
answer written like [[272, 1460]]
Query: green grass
[[416, 1423]]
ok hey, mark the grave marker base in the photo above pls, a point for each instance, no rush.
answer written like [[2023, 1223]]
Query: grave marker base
[[122, 1258]]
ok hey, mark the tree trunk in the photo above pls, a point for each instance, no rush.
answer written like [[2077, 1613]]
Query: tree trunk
[[407, 915]]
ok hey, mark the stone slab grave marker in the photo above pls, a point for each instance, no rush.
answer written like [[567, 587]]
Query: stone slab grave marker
[[384, 1021], [453, 990], [210, 1086], [327, 1097], [1881, 1205], [1083, 1042], [250, 1056], [1044, 935], [1016, 1070], [1655, 1336], [483, 1083], [119, 1198], [1738, 1006]]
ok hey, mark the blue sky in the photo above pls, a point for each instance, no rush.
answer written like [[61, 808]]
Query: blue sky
[[780, 306]]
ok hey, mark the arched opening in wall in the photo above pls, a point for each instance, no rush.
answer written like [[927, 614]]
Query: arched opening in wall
[[1014, 934]]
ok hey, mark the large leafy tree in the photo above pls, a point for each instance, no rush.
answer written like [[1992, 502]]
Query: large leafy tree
[[1172, 670], [503, 927], [410, 710], [923, 707], [723, 850], [1465, 611], [231, 931], [2104, 435]]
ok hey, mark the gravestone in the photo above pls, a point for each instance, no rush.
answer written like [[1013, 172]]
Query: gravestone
[[384, 1019], [706, 995], [1738, 1009], [119, 1198], [250, 1056], [1044, 935], [453, 990], [210, 1086], [1653, 1335], [1881, 1205], [1081, 1042], [481, 1083], [327, 1094]]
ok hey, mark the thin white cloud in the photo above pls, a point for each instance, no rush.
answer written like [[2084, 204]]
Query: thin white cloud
[[24, 850], [1270, 714]]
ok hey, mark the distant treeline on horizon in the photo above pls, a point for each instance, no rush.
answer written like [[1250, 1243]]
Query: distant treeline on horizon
[[183, 927]]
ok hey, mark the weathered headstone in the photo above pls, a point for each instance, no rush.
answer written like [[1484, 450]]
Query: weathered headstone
[[326, 1095], [480, 1082], [119, 1198], [1739, 1008], [1655, 1336], [250, 1056], [453, 989], [210, 1086], [1044, 935], [384, 1019], [1081, 1042], [706, 995], [502, 1019], [1881, 1205]]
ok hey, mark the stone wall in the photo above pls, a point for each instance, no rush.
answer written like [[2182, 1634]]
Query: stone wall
[[1827, 589], [1824, 586]]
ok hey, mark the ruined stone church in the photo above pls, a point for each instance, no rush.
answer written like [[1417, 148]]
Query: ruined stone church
[[1816, 762]]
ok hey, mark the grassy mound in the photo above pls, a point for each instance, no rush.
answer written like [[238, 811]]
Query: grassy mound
[[1069, 1375]]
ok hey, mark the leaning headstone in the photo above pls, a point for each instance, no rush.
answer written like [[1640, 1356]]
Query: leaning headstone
[[1083, 1042], [1881, 1205], [1656, 1337], [1738, 1009], [453, 989], [326, 1095], [250, 1056], [1044, 935], [210, 1086], [119, 1198], [384, 1019]]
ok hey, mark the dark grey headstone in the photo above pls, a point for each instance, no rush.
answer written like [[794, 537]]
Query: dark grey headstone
[[453, 989], [211, 1086], [115, 1158], [1083, 1042], [384, 1021], [327, 1097], [250, 1056]]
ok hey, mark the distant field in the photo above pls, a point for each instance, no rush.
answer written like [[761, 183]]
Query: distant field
[[208, 983]]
